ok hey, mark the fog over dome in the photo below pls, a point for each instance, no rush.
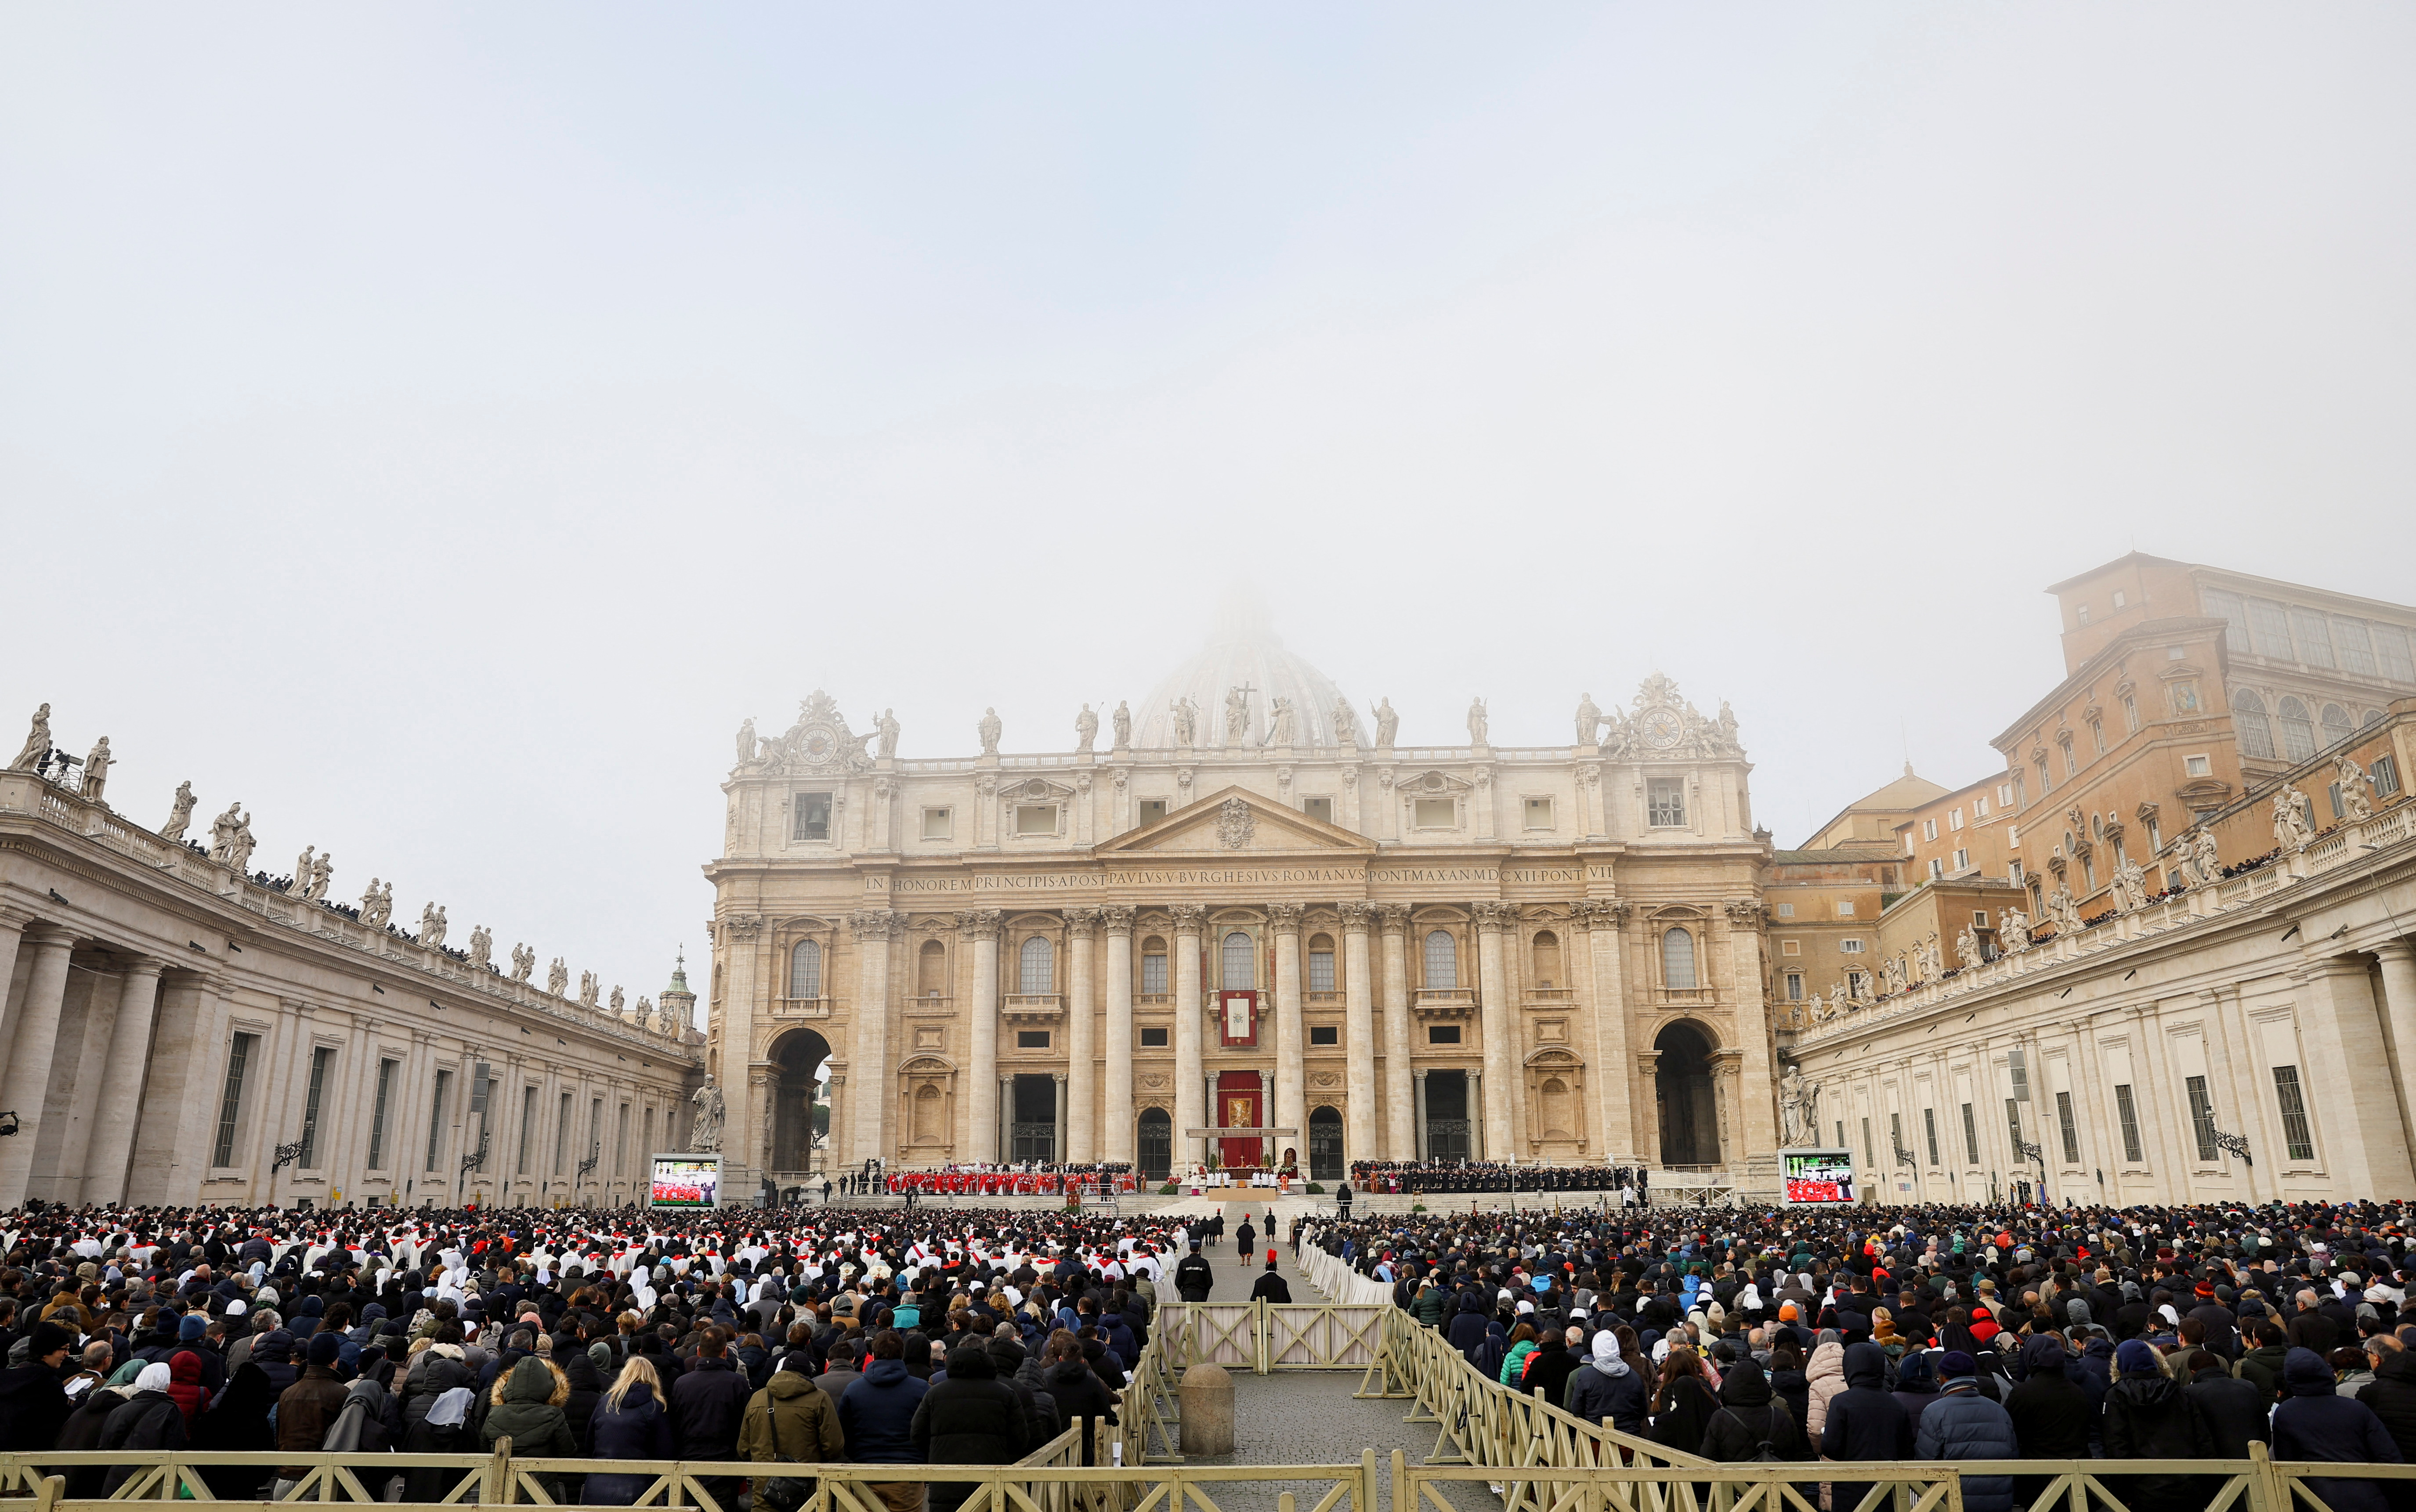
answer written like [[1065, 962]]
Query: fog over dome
[[1243, 650]]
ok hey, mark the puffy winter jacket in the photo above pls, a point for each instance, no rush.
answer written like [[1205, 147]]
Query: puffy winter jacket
[[1604, 1387], [641, 1428], [1825, 1376], [2233, 1410], [790, 1416], [970, 1418], [1963, 1425], [876, 1415]]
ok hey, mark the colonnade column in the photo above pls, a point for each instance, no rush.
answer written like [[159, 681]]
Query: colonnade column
[[980, 927], [1291, 1092], [1116, 1142], [874, 928], [1405, 1113], [1080, 1114], [120, 1084], [1756, 1100], [1190, 1096], [27, 1082], [1607, 996], [2370, 1148], [1358, 1039], [1501, 1021], [13, 934], [2398, 958]]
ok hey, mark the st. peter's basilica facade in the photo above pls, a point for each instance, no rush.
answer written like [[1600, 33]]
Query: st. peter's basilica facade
[[1242, 905]]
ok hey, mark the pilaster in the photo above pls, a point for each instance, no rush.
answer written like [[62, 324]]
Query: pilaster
[[1118, 1142], [1405, 1117]]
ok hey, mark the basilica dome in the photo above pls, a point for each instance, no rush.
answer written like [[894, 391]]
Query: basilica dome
[[1243, 652]]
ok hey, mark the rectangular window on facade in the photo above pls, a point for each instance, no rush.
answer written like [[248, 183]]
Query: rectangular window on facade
[[1320, 809], [1954, 819], [1962, 858], [436, 1117], [2198, 766], [1791, 947], [1665, 802], [1539, 814], [2130, 713], [322, 1058], [2046, 784], [1929, 1131], [2018, 1073], [1153, 972], [377, 1114], [2295, 1135], [1970, 1138], [2270, 628], [1326, 1034], [1442, 1034], [2071, 1132], [1031, 1039], [2126, 1112], [528, 1128], [1786, 910], [2384, 774], [939, 824], [1936, 869], [2071, 761], [2014, 1124], [1152, 810], [1035, 818], [1929, 829], [2004, 794], [2097, 735], [2392, 653], [1979, 809], [1845, 907], [2014, 871], [561, 1134], [1795, 986], [1436, 814], [230, 1099], [1153, 1038], [813, 817], [621, 1142], [2080, 612], [1849, 947], [2201, 1116], [2219, 604], [1320, 971], [1869, 1158], [2356, 650], [2314, 636]]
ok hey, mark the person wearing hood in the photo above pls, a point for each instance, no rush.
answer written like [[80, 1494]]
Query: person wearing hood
[[586, 1387], [526, 1407], [1824, 1377], [184, 1384], [2317, 1423], [1863, 1421], [630, 1422], [2049, 1409], [1029, 1383], [970, 1418], [1073, 1385], [2234, 1410], [150, 1419], [1749, 1417], [1606, 1388], [2149, 1416], [1549, 1367], [1468, 1325], [237, 1423], [34, 1403], [360, 1426], [877, 1415], [1916, 1383], [1963, 1425]]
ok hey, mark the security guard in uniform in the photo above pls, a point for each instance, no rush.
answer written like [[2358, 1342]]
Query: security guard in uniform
[[1193, 1278]]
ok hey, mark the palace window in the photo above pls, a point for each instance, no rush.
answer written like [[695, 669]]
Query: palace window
[[1326, 1034], [1035, 818], [1962, 860], [1936, 869], [1539, 814], [2046, 784], [377, 1115], [939, 824], [2295, 1136], [813, 817], [1152, 810], [2356, 650], [2270, 629], [1857, 982], [2256, 730], [2385, 775], [1436, 814], [1152, 1037], [1954, 819], [1795, 986], [2390, 652], [2298, 730], [1443, 961], [1930, 1128], [2097, 735], [1240, 971], [2126, 1112], [1321, 963], [1037, 966], [2313, 637], [1153, 964], [1845, 907], [1031, 1039], [2004, 794], [2198, 766], [2014, 871], [2118, 599], [805, 969], [1979, 809], [1678, 960], [1320, 809], [2337, 726], [2070, 762], [1665, 802], [1442, 1034], [2131, 712], [1929, 829], [1849, 947], [2080, 612], [1786, 910], [2201, 1116]]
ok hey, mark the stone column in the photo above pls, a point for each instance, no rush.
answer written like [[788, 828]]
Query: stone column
[[2398, 958], [1606, 999], [1405, 1114], [1077, 1133], [1116, 1138], [740, 936], [979, 928], [27, 1080], [1003, 1124], [1501, 1021], [1756, 1097], [71, 1144], [873, 929], [1190, 1093], [1647, 1064], [13, 934], [1358, 1039], [2369, 1152], [1060, 1141], [1476, 1126], [1291, 1093], [120, 1084]]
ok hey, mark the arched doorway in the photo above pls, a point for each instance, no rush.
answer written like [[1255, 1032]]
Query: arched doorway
[[1325, 1146], [798, 1062], [1682, 1084], [1156, 1145]]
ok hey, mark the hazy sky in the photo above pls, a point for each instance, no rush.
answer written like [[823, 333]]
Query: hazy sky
[[440, 428]]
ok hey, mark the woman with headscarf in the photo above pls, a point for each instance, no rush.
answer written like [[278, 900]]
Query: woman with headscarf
[[237, 1423], [149, 1420], [2148, 1416]]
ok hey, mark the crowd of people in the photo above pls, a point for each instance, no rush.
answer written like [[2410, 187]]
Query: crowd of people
[[1625, 1183], [816, 1334], [1942, 1333]]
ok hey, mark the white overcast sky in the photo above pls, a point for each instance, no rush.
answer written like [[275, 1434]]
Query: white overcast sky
[[440, 427]]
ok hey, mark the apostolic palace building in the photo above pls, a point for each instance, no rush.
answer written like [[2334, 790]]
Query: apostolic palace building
[[2159, 948]]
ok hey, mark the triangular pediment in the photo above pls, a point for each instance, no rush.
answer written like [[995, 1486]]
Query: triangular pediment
[[1234, 822]]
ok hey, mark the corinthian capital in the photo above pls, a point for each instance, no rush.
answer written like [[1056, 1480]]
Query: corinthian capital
[[874, 925], [1189, 917], [1356, 916], [1492, 914], [1393, 918], [978, 924], [1119, 917], [1284, 918], [1081, 923], [1744, 913]]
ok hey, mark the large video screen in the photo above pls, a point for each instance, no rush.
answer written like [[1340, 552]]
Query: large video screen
[[684, 1181], [1818, 1176]]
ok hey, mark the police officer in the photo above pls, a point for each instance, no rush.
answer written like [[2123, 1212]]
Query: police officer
[[1193, 1278]]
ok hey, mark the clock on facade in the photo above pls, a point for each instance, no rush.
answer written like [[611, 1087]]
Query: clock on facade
[[1661, 727]]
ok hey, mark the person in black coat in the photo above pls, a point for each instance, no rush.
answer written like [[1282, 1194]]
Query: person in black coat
[[629, 1422], [1749, 1416], [1684, 1405], [2149, 1417], [2314, 1423], [83, 1431], [2391, 1396], [2235, 1411], [1466, 1331], [708, 1403], [1863, 1421], [150, 1419], [34, 1403], [2050, 1410], [970, 1418]]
